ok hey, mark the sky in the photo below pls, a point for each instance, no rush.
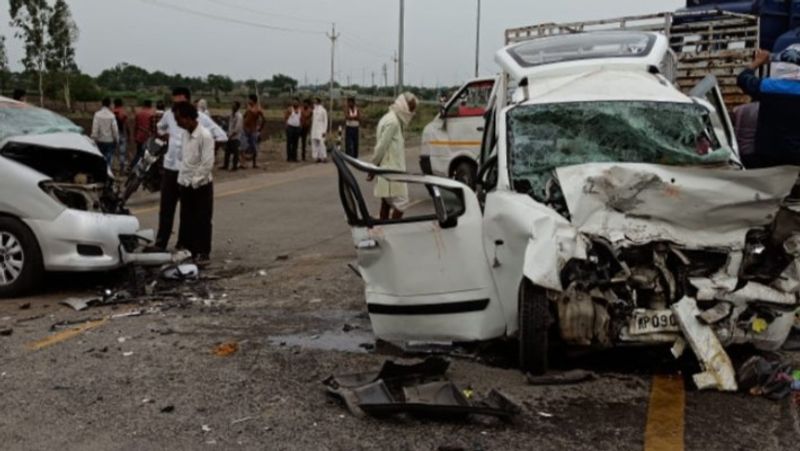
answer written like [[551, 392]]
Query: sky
[[259, 38]]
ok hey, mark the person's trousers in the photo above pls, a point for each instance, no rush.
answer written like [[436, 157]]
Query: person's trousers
[[197, 212], [318, 150], [107, 149], [139, 154], [232, 152], [304, 132], [123, 152], [251, 139], [170, 196], [293, 135], [351, 141]]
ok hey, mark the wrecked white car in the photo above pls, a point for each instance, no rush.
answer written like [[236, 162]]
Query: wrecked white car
[[611, 209], [58, 208]]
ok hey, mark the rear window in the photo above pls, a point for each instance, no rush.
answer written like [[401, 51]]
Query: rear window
[[23, 119], [573, 47]]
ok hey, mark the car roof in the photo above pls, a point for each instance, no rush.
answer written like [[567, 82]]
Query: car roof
[[600, 84]]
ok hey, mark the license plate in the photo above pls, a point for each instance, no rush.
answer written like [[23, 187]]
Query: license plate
[[653, 322]]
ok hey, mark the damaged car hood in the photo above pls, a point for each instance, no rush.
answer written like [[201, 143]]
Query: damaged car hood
[[695, 207], [59, 142]]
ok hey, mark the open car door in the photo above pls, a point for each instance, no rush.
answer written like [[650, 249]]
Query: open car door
[[708, 90], [427, 276]]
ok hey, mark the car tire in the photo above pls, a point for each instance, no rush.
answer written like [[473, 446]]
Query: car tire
[[534, 329], [465, 172], [20, 259]]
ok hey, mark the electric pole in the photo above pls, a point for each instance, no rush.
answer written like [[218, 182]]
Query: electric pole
[[373, 78], [398, 87], [385, 76], [333, 37], [401, 46], [478, 42]]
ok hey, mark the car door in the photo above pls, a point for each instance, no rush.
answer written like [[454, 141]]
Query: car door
[[427, 276], [455, 135], [708, 90]]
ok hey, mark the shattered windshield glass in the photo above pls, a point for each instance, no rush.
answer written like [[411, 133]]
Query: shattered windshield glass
[[546, 137], [17, 120]]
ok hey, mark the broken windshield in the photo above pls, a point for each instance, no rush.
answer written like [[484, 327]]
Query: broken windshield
[[546, 137], [22, 119]]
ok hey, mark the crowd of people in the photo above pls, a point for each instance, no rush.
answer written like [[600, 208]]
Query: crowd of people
[[193, 138]]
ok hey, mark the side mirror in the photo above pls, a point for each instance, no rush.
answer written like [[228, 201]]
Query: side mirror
[[445, 220]]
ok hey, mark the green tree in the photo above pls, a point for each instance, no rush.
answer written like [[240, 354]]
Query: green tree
[[283, 83], [4, 71], [63, 33], [30, 18], [84, 89], [219, 83]]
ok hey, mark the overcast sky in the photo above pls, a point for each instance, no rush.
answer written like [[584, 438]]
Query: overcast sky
[[440, 35]]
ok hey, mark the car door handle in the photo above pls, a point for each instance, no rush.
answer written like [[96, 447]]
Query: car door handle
[[367, 244], [480, 129]]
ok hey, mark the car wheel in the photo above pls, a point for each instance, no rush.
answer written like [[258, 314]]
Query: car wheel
[[20, 258], [534, 329], [466, 173]]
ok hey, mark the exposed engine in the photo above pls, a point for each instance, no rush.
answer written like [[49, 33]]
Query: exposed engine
[[626, 294]]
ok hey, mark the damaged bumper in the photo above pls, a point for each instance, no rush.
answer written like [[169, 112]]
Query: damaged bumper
[[658, 254]]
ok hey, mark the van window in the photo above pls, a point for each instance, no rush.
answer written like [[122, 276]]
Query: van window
[[471, 101]]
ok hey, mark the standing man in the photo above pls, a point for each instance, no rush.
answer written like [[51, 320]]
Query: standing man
[[172, 164], [196, 183], [306, 119], [294, 130], [390, 154], [319, 130], [143, 129], [122, 125], [105, 132], [777, 134], [254, 121], [235, 129], [352, 127]]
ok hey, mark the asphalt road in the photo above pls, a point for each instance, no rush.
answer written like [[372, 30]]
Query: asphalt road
[[284, 296]]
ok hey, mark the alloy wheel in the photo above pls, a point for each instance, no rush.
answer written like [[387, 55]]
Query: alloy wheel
[[12, 258]]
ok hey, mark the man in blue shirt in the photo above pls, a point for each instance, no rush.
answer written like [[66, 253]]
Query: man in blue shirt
[[778, 134]]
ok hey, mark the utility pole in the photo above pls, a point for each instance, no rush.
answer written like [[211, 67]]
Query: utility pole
[[478, 43], [398, 86], [401, 46], [333, 37], [385, 76], [373, 78]]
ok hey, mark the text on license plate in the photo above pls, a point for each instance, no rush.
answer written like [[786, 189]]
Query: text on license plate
[[653, 321]]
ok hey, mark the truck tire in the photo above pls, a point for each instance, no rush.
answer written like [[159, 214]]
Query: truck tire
[[21, 266], [534, 329], [465, 172]]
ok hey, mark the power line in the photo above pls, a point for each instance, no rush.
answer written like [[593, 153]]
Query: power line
[[159, 4], [265, 13]]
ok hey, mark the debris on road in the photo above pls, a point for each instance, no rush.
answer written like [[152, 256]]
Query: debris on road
[[6, 332], [80, 304], [25, 306], [772, 379], [565, 378], [226, 349], [168, 409], [420, 389], [181, 272]]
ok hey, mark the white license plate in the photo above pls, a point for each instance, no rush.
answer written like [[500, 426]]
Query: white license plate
[[652, 322]]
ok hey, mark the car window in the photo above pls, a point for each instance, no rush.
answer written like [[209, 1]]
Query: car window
[[23, 119], [471, 101], [546, 137]]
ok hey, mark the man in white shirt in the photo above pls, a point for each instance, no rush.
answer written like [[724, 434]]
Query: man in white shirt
[[172, 161], [293, 130], [319, 130], [195, 179], [105, 132]]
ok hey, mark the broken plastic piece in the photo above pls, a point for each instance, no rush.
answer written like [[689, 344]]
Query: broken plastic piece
[[719, 371], [567, 377], [186, 271], [226, 349]]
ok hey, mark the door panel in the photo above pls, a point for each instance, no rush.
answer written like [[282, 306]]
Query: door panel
[[426, 279]]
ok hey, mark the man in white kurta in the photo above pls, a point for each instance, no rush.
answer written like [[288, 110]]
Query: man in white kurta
[[390, 154], [319, 129]]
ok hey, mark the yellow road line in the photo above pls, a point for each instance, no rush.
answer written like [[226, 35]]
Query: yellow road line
[[665, 414], [58, 337]]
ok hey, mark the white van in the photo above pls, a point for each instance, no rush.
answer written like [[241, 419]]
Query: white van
[[611, 209], [451, 143]]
